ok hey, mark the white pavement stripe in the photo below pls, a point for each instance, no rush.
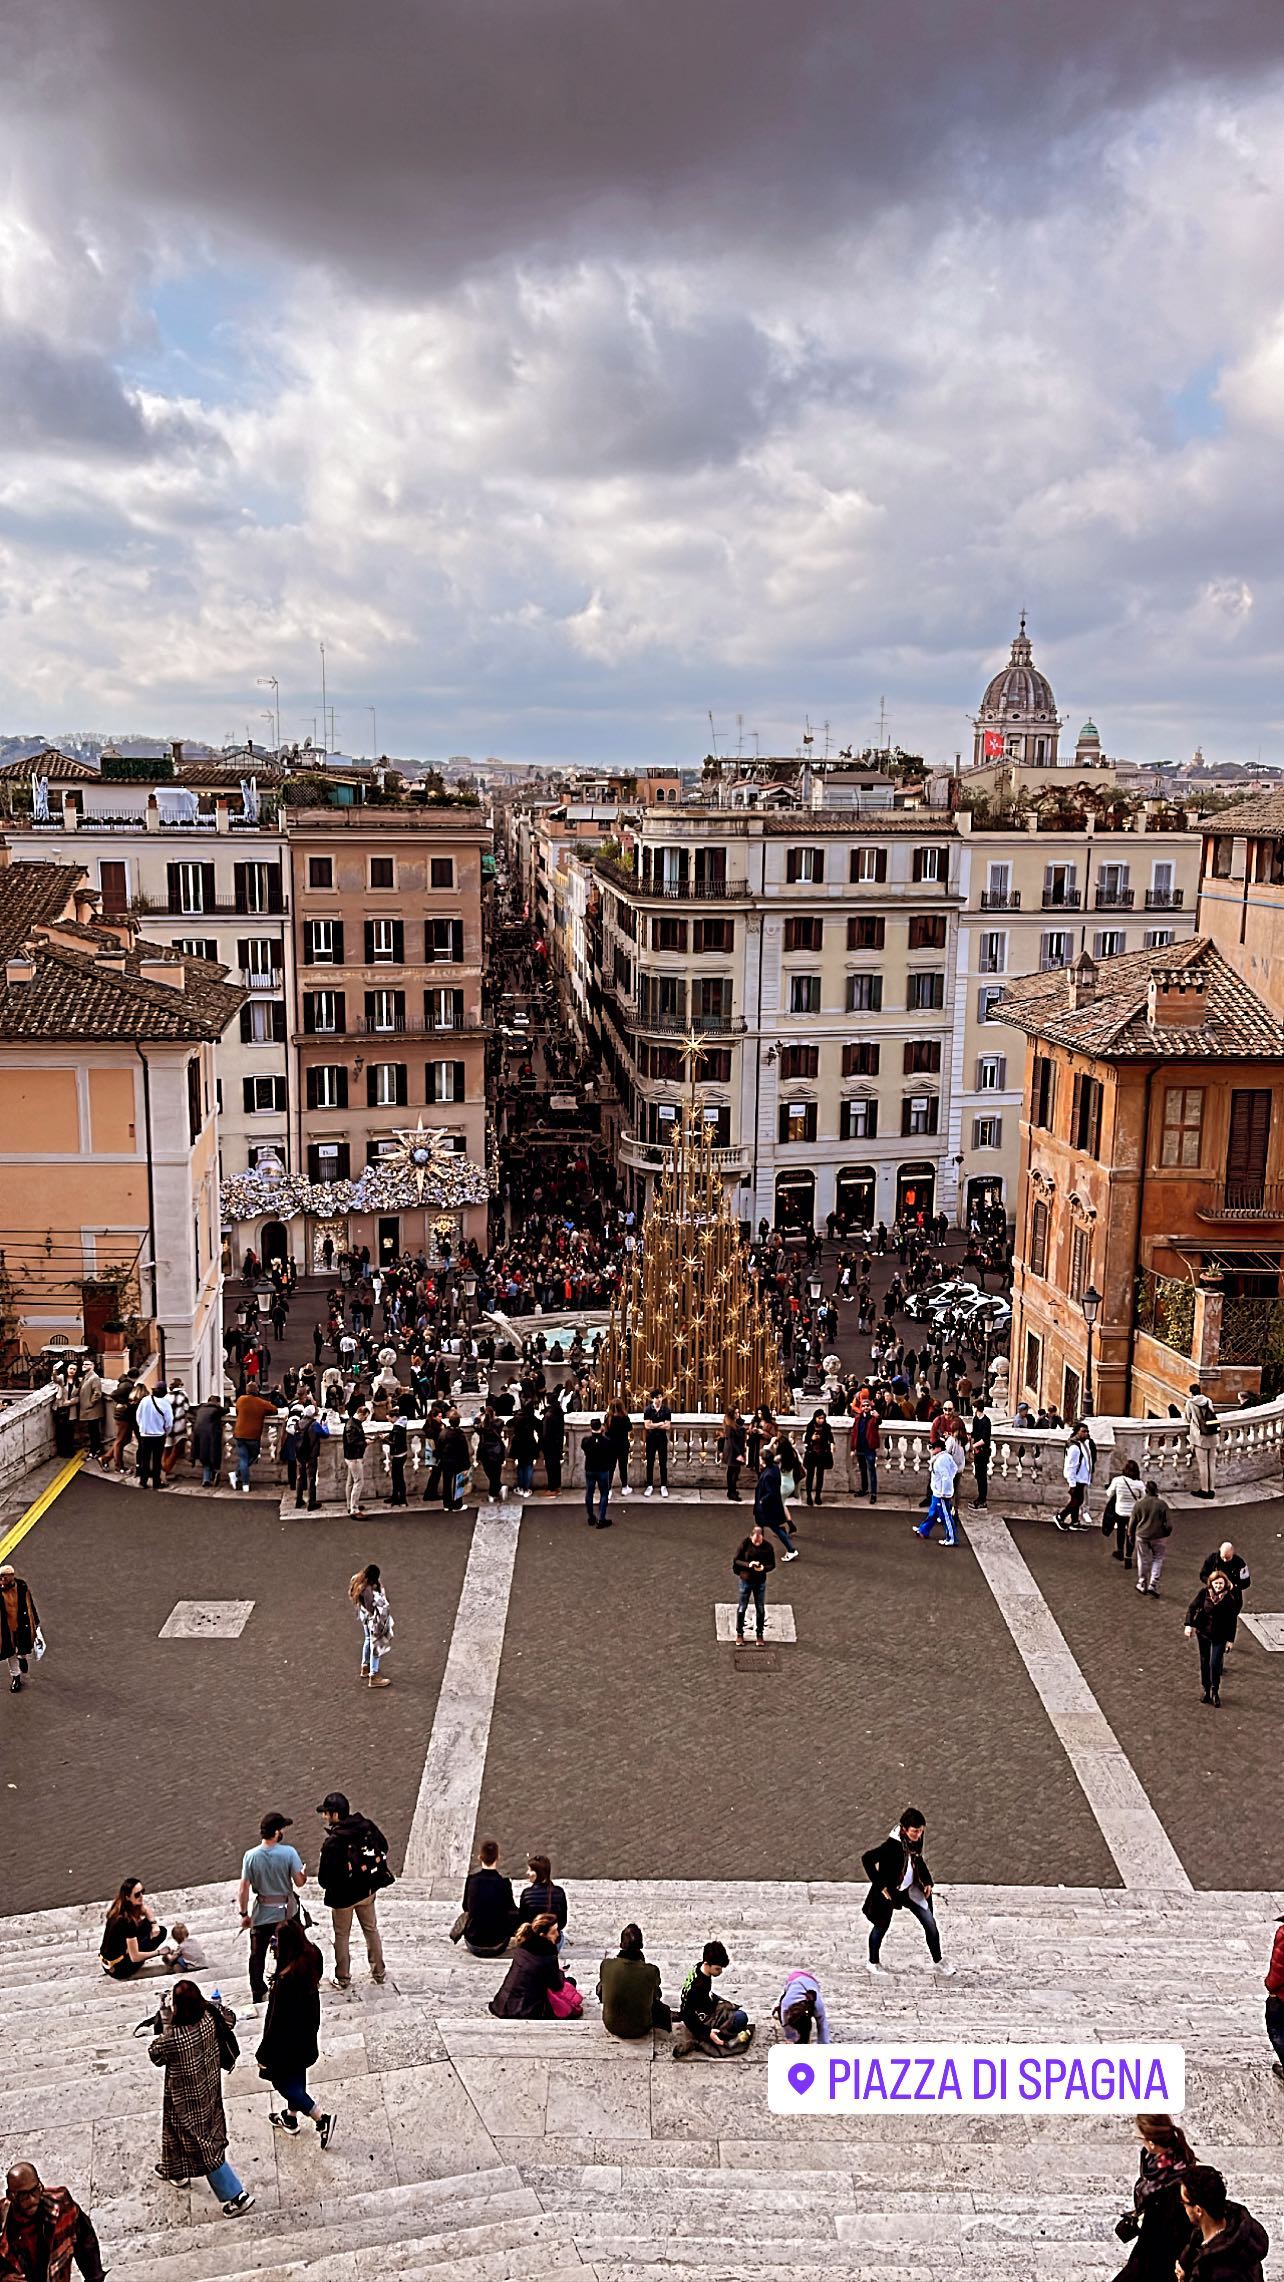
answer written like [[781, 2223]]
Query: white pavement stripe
[[1143, 1851], [441, 1834]]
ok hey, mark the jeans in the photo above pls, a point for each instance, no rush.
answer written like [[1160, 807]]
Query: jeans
[[1212, 1656], [294, 2091], [1275, 2025], [867, 1460], [225, 2183], [657, 1454], [757, 1586], [356, 1472], [309, 1458], [246, 1456], [525, 1473], [734, 2025], [938, 1510], [1073, 1506], [785, 1535], [981, 1469], [815, 1481], [364, 1913], [150, 1451], [1205, 1456], [598, 1485], [1150, 1560], [369, 1652], [620, 1458], [913, 1900]]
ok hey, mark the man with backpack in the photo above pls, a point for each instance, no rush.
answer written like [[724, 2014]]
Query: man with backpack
[[1204, 1426], [354, 1457], [352, 1870]]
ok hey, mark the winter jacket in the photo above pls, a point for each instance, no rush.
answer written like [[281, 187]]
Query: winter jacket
[[1233, 2255], [524, 1991], [252, 1415], [1212, 1619], [349, 1868], [1077, 1463], [193, 2127], [288, 2047]]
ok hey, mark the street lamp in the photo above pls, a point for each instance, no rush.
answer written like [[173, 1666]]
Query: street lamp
[[815, 1290], [1091, 1305]]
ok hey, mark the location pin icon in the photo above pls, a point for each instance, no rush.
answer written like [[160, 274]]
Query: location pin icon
[[802, 2076]]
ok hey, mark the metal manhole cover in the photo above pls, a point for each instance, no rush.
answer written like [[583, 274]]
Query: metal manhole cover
[[756, 1660]]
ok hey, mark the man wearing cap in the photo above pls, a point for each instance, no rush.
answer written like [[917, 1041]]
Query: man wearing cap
[[352, 1869], [271, 1873]]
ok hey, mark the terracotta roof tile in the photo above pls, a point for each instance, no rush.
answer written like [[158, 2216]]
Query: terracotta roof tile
[[1265, 814], [1112, 1024], [30, 893], [74, 995]]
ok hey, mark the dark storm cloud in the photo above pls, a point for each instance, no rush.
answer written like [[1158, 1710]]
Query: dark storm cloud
[[52, 397], [411, 139]]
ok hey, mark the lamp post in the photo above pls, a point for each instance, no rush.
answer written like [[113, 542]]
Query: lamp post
[[1091, 1305]]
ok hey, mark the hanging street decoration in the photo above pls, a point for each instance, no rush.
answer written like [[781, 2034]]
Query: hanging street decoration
[[421, 1171]]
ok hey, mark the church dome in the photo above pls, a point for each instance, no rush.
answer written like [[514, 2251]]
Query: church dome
[[1090, 734], [1020, 691]]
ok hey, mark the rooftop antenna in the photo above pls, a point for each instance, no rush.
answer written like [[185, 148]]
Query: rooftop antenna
[[321, 646], [882, 725], [808, 733], [740, 734], [825, 727], [714, 734]]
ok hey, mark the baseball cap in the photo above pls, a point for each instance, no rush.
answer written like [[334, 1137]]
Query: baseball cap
[[334, 1803], [274, 1822]]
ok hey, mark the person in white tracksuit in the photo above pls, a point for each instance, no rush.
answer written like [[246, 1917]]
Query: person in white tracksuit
[[1077, 1469]]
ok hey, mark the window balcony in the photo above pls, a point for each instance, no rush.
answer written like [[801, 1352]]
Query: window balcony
[[1243, 1200], [1062, 899], [671, 891], [651, 1156], [1115, 898], [1165, 898], [254, 980], [1000, 899], [700, 1025]]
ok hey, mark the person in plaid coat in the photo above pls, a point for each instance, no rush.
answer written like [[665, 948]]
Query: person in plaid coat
[[193, 2126], [176, 1440]]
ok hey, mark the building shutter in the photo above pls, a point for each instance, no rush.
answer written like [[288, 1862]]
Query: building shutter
[[278, 1021], [278, 1093], [275, 899], [173, 889], [1250, 1136], [247, 1093], [370, 928], [399, 941], [245, 1029]]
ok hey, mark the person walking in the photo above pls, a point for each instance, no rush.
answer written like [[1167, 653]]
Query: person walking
[[123, 1402], [629, 1991], [155, 1419], [619, 1432], [252, 1414], [207, 1440], [944, 1475], [398, 1452], [352, 1870], [1124, 1493], [753, 1564], [1156, 2224], [1204, 1427], [1234, 1566], [368, 1597], [598, 1463], [354, 1457], [1227, 2244], [1151, 1530], [19, 1626], [455, 1459], [1211, 1619], [735, 1442], [552, 1442], [91, 1405], [818, 1455], [490, 1452], [190, 2048], [1275, 1999], [656, 1420], [272, 1876], [43, 2231], [899, 1879], [176, 1441], [288, 2046], [488, 1913], [981, 1451], [866, 1436], [66, 1403], [770, 1505], [1077, 1469]]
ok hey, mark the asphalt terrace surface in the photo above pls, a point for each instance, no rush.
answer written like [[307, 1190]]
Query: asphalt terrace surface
[[1213, 1777], [626, 1743], [130, 1754]]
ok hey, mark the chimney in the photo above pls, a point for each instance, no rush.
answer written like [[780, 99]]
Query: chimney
[[1177, 998], [20, 967], [70, 813], [151, 819], [1083, 982], [176, 751], [222, 813]]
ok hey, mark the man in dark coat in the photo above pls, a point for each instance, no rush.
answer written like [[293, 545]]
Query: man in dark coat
[[42, 2231], [19, 1624], [900, 1879], [553, 1443], [352, 1870], [1227, 2243]]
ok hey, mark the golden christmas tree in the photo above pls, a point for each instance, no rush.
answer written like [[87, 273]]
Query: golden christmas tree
[[688, 1320]]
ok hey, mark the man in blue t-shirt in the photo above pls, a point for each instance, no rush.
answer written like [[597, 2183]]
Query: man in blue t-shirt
[[272, 1874]]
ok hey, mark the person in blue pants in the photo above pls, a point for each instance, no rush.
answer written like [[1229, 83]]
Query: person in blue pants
[[944, 1475]]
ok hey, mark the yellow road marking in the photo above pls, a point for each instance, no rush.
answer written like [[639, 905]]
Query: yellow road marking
[[52, 1490]]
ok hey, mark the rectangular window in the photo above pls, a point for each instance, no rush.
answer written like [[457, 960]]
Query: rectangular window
[[327, 1086], [1059, 886], [999, 888], [113, 888], [195, 1099], [258, 957], [1112, 885], [1056, 949], [711, 998], [1109, 943], [385, 1010], [1085, 1115], [992, 955], [1033, 1363], [1080, 1262], [924, 993], [1042, 1090], [329, 1161], [1221, 863], [196, 946], [386, 1086], [1183, 1127], [1155, 938], [866, 934], [444, 1009], [797, 1121], [385, 943], [805, 864], [441, 871], [444, 942], [987, 1132], [713, 935], [987, 999], [991, 1073], [799, 1062], [860, 1060], [322, 942], [858, 1121], [1038, 1238], [444, 1081], [383, 871], [323, 1011], [804, 994], [263, 1094], [320, 871], [864, 994], [920, 1113], [191, 887], [257, 1026], [713, 1066], [668, 934], [1071, 1393], [927, 931], [868, 866], [1162, 875], [930, 864], [922, 1057], [804, 932]]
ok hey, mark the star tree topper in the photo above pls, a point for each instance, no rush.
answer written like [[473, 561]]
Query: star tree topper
[[420, 1148]]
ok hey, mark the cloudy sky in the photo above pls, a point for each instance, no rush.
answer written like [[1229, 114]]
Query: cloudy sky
[[574, 367]]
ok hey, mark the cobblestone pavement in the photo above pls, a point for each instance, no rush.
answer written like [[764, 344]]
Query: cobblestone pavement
[[625, 1742], [1212, 1776], [126, 1753]]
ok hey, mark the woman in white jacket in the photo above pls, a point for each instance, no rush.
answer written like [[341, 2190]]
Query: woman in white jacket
[[1077, 1469], [1125, 1490]]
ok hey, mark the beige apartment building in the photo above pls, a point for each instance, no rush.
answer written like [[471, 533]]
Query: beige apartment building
[[387, 1027]]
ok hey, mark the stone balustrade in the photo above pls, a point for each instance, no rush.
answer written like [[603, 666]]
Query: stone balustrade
[[26, 1432]]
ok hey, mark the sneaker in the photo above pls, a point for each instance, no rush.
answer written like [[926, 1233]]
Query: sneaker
[[871, 1967], [282, 2120], [663, 1490], [648, 1492], [168, 2181], [1059, 1521], [606, 1525], [240, 2204], [1154, 1592], [345, 1985], [626, 1489], [792, 1556], [945, 1969], [325, 2129], [1141, 1588]]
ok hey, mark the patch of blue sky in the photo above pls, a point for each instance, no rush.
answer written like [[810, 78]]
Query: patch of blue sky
[[1193, 409], [209, 337]]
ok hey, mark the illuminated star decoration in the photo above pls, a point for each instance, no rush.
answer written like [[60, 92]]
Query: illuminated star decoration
[[420, 1149]]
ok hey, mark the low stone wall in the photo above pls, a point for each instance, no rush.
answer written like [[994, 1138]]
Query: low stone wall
[[26, 1433]]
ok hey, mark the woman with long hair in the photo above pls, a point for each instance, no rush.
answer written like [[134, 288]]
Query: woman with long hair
[[619, 1429], [368, 1597], [289, 2043], [1157, 2225], [818, 1455], [132, 1937], [534, 1974], [193, 2127]]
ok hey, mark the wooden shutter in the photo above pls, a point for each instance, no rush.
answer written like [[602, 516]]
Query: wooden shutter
[[370, 1009], [791, 864], [278, 1021], [372, 1095], [403, 1085], [338, 942], [1250, 1137], [308, 925], [112, 884], [340, 1011], [370, 928], [172, 887], [240, 886], [275, 899], [209, 892], [459, 1081], [247, 1090], [399, 941], [278, 1093], [457, 940], [818, 865], [246, 1038]]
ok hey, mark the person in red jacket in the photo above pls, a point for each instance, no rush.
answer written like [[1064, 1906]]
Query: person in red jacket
[[1275, 1998]]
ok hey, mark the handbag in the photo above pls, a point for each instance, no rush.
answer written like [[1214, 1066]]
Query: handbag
[[229, 2050], [567, 2003], [1128, 2226]]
